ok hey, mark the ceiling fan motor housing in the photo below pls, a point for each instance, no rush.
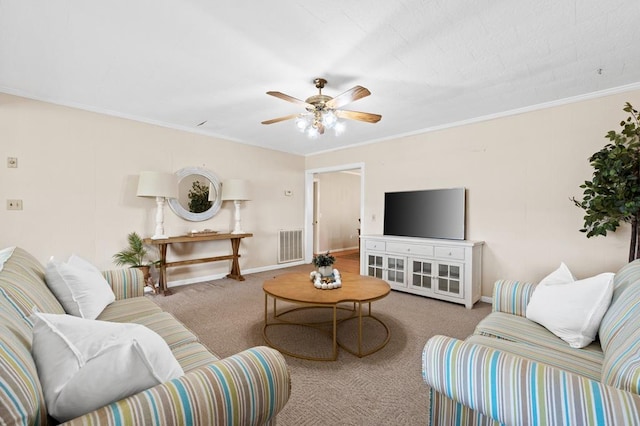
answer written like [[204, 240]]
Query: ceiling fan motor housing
[[318, 101]]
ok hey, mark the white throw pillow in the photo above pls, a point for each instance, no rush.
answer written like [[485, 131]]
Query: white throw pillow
[[86, 364], [5, 254], [573, 310], [76, 260], [79, 286], [562, 275]]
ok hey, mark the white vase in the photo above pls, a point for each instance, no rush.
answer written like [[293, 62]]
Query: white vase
[[325, 271]]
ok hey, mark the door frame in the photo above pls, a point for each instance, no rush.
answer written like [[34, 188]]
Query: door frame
[[309, 201]]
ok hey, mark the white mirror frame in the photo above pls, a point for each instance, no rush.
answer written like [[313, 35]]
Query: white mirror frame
[[179, 210]]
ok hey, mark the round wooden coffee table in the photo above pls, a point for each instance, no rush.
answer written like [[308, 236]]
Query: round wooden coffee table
[[297, 288]]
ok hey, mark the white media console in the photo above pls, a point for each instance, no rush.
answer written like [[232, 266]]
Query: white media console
[[443, 269]]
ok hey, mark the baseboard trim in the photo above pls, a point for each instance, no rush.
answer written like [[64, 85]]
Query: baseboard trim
[[486, 299], [343, 249]]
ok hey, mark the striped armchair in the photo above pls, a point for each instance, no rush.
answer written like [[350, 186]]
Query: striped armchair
[[248, 388], [513, 371]]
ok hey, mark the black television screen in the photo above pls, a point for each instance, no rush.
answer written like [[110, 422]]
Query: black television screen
[[432, 213]]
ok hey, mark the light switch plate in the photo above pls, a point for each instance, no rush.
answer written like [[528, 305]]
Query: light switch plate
[[12, 162], [14, 204]]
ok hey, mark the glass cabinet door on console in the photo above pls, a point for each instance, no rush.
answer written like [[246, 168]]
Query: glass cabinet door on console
[[375, 265], [395, 270], [422, 274], [388, 268], [449, 280]]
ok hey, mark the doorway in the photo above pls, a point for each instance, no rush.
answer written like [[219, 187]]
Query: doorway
[[329, 228]]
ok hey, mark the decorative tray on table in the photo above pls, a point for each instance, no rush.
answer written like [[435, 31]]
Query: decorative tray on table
[[327, 282], [203, 233]]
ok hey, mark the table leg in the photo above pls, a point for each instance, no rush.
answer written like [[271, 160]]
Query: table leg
[[360, 328], [162, 281], [335, 332], [235, 264]]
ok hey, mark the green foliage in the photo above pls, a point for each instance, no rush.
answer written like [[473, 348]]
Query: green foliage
[[613, 195], [323, 259], [199, 198], [134, 255]]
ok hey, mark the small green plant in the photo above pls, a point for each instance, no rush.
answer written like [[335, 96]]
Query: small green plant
[[199, 198], [135, 255], [325, 259], [613, 195]]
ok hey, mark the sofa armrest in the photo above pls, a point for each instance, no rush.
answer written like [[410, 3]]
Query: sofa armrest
[[512, 297], [248, 388], [125, 283], [517, 391]]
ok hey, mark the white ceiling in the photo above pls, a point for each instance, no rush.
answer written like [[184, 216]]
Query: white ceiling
[[429, 64]]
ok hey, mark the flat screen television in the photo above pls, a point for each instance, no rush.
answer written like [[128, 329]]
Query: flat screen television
[[431, 213]]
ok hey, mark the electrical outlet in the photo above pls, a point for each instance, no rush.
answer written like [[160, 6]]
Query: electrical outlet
[[14, 204], [12, 162]]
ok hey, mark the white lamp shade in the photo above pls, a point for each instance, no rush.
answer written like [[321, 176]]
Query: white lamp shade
[[157, 184], [235, 189]]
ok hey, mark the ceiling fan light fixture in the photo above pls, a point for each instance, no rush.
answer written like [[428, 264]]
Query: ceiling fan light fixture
[[315, 124], [313, 132], [329, 119], [302, 122], [339, 128]]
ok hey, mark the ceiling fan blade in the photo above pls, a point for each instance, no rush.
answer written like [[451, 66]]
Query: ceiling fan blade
[[360, 116], [279, 119], [347, 97], [290, 99]]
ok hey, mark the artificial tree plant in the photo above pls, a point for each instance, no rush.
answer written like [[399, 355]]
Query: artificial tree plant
[[136, 257], [613, 195]]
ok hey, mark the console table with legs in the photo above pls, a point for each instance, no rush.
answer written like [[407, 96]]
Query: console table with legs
[[164, 243]]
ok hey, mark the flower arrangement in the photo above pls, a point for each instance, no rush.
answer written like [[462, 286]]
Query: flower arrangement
[[325, 259]]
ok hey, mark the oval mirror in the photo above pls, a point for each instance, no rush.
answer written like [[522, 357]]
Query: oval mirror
[[199, 194]]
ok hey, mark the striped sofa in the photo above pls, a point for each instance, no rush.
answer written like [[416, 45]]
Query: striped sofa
[[248, 388], [513, 371]]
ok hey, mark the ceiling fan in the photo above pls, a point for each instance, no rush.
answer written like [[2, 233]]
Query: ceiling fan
[[323, 111]]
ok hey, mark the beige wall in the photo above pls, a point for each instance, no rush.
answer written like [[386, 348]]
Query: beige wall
[[78, 174], [519, 171], [78, 171]]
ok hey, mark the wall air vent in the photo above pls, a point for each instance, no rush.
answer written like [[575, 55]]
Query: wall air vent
[[290, 245]]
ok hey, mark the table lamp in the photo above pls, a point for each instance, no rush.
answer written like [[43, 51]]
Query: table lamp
[[161, 186], [235, 190]]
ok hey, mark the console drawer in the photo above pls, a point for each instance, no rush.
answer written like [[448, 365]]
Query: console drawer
[[410, 249], [376, 245], [450, 253]]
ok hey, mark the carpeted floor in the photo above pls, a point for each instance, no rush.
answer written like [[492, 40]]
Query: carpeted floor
[[384, 388]]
